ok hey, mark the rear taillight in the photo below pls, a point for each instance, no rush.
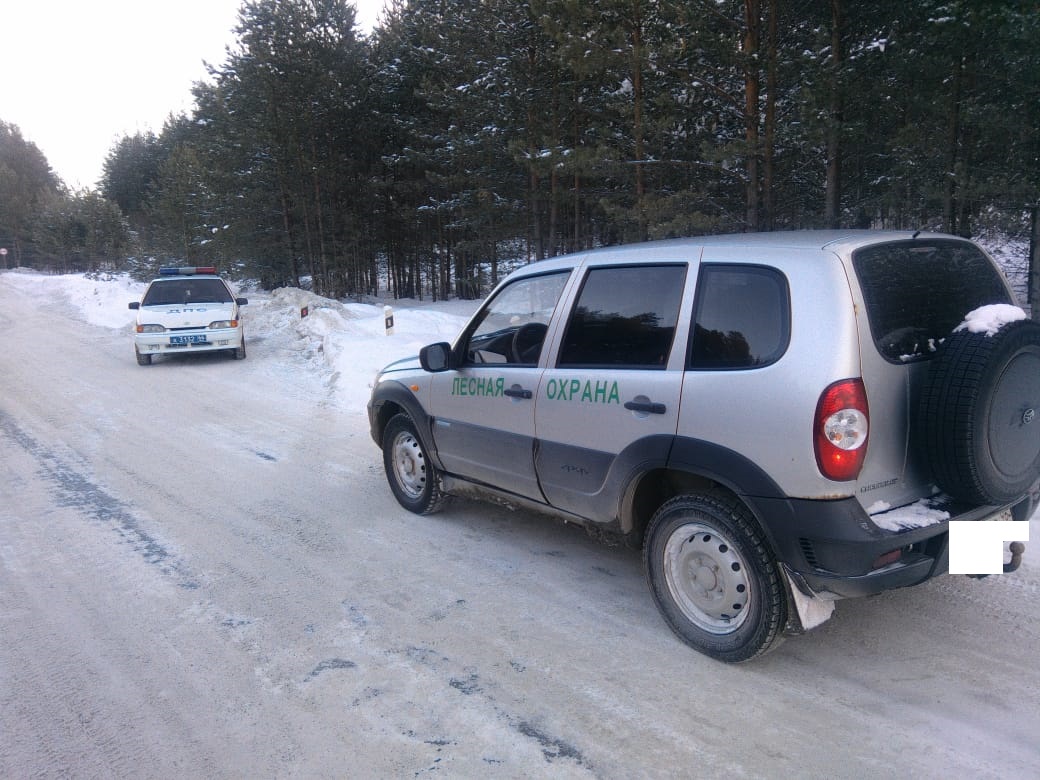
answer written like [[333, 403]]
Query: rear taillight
[[840, 430]]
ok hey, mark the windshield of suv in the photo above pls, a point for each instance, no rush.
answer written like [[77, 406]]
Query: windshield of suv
[[917, 292], [182, 291], [526, 305]]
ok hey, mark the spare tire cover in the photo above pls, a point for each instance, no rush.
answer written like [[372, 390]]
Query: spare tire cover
[[978, 424]]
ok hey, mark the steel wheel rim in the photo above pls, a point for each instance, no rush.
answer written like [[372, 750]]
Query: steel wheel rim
[[409, 463], [707, 578]]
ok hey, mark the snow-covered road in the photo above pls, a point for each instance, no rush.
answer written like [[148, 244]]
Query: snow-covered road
[[204, 574]]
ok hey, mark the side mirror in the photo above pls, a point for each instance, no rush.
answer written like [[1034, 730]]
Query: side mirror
[[135, 305], [435, 357], [241, 301]]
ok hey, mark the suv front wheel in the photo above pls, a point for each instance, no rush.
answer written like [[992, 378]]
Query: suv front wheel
[[414, 480], [714, 578]]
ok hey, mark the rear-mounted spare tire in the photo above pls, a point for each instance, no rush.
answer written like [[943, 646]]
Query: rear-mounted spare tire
[[979, 415]]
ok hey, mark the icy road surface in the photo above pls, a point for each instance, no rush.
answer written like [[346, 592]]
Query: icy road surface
[[204, 574]]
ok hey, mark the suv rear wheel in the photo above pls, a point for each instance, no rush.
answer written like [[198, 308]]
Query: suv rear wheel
[[714, 578]]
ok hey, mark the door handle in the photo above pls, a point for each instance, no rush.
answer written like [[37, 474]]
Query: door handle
[[650, 407], [517, 392]]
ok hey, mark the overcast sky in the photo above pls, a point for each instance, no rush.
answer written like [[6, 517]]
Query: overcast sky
[[77, 75]]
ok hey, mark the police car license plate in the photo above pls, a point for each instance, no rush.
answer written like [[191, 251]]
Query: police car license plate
[[195, 338]]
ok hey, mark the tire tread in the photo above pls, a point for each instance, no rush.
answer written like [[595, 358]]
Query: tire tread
[[769, 633], [951, 432], [433, 498]]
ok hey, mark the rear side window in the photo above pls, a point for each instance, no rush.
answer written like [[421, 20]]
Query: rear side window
[[625, 317], [741, 318], [917, 292]]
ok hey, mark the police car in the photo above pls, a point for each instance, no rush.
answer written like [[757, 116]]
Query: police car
[[188, 309]]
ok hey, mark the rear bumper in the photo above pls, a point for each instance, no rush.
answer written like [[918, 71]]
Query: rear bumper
[[833, 547]]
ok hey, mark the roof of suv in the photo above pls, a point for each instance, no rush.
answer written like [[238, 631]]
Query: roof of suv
[[799, 239], [812, 238], [806, 240]]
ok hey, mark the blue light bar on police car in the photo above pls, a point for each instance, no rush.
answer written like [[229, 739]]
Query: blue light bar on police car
[[188, 270]]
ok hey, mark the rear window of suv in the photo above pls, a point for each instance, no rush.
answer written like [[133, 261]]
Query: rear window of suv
[[917, 292]]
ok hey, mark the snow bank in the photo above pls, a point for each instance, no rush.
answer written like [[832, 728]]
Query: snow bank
[[349, 340], [346, 342], [100, 300]]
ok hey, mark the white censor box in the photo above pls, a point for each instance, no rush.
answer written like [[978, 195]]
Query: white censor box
[[978, 547], [388, 320]]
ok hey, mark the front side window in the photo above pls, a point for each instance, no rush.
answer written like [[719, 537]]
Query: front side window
[[741, 318], [625, 317], [511, 328]]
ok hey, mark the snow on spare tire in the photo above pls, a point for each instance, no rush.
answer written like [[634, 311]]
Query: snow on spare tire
[[979, 409]]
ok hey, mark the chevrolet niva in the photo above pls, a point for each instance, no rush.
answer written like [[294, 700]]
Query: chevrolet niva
[[189, 309], [779, 420]]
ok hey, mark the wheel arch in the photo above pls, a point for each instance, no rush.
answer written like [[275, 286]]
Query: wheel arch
[[696, 466], [393, 398]]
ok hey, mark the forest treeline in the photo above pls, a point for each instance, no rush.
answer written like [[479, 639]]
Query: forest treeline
[[465, 134]]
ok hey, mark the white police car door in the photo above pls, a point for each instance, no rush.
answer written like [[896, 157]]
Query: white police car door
[[609, 404], [483, 412]]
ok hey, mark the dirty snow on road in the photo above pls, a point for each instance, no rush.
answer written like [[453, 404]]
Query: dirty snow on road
[[204, 574]]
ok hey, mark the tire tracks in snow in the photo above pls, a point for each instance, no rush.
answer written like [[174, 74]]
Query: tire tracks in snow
[[77, 491], [427, 672]]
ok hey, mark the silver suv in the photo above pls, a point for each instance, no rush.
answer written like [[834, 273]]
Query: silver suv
[[778, 420]]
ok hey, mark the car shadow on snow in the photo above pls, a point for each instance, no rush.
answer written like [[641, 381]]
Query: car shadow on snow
[[947, 615]]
